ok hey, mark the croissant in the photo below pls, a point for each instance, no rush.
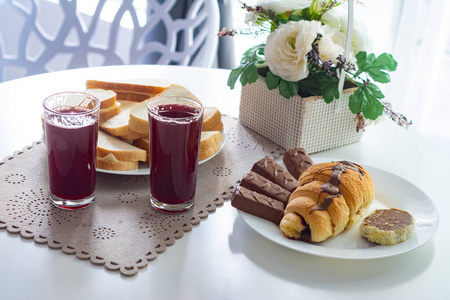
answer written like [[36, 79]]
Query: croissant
[[329, 198]]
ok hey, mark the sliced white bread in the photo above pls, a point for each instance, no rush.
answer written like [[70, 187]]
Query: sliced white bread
[[137, 89], [118, 125], [217, 127], [143, 143], [109, 112], [139, 114], [131, 135], [122, 150], [107, 98], [209, 139], [207, 153], [110, 162], [211, 117]]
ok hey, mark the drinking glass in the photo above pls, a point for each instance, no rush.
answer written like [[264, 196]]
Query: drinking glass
[[71, 130], [175, 131]]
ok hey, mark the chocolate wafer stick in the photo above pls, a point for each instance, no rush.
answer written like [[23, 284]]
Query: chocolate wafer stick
[[262, 185], [257, 204], [269, 169]]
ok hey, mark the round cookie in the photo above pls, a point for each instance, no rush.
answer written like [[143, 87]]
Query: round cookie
[[387, 226]]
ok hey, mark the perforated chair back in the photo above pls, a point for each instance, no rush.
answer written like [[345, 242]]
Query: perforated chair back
[[38, 36]]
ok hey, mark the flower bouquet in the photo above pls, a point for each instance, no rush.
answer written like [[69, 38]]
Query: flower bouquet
[[312, 84]]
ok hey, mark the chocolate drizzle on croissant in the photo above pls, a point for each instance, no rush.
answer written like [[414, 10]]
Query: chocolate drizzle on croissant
[[332, 186], [329, 198]]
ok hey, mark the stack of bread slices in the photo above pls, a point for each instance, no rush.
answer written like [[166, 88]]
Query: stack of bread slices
[[123, 139]]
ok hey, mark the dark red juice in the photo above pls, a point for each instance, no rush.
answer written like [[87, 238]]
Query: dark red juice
[[174, 150], [71, 151]]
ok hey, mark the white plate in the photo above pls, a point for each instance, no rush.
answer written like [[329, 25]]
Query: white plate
[[390, 191], [145, 170]]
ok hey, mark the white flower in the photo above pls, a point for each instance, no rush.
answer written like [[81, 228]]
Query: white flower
[[281, 6], [338, 18], [250, 18], [287, 46], [332, 44]]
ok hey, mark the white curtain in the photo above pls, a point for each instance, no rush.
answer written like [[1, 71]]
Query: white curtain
[[417, 34]]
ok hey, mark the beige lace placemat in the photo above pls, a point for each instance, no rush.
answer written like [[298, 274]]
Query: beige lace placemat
[[120, 230]]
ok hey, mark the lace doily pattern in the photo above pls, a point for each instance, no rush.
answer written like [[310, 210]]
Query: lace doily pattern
[[120, 230]]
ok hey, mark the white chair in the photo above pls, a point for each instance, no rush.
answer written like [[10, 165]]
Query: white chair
[[38, 36]]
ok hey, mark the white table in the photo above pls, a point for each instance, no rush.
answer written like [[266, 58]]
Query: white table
[[223, 258]]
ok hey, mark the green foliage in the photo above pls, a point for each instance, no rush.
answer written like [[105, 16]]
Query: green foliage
[[321, 84], [247, 70], [287, 89], [366, 100], [374, 66]]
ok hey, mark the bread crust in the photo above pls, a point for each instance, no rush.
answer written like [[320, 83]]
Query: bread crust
[[328, 214]]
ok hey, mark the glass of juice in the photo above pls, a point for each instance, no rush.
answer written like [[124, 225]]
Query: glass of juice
[[175, 131], [71, 130]]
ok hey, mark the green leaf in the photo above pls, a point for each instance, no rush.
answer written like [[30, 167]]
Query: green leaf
[[363, 100], [288, 89], [233, 77], [375, 90], [375, 66], [379, 76], [386, 62], [272, 80], [372, 109], [355, 101], [320, 84], [247, 71]]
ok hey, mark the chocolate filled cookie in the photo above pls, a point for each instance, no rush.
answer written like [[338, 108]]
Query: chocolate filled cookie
[[387, 226]]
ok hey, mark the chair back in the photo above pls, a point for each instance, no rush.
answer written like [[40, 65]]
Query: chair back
[[38, 36]]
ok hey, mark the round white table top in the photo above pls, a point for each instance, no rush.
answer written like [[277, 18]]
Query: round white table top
[[223, 257]]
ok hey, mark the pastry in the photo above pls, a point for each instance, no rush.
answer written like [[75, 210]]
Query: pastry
[[330, 198], [269, 169], [257, 204], [297, 161], [387, 226], [262, 185]]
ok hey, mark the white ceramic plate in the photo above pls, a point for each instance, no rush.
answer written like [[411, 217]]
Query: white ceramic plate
[[145, 170], [390, 191]]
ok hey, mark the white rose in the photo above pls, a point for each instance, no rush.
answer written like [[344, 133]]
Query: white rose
[[332, 44], [338, 18], [286, 49], [280, 6]]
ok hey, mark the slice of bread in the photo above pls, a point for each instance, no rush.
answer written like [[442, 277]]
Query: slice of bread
[[118, 125], [211, 117], [139, 114], [207, 153], [122, 150], [210, 139], [109, 112], [131, 135], [110, 162], [107, 98], [137, 89], [143, 143], [217, 127]]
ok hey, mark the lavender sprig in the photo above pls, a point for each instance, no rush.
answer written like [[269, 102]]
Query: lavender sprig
[[400, 119], [253, 31]]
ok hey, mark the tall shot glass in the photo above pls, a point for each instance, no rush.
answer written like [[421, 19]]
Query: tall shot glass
[[71, 131], [175, 131]]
